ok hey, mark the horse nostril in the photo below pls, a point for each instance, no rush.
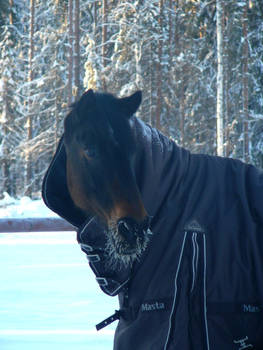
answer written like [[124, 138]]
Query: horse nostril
[[126, 230], [129, 229]]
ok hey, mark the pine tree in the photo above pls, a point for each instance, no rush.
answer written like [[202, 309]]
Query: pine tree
[[246, 151], [166, 48], [10, 39]]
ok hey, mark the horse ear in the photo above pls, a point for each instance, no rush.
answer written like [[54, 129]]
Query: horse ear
[[86, 102], [89, 93], [87, 97], [130, 104]]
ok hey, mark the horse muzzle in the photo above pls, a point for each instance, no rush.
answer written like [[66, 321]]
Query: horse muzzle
[[132, 233]]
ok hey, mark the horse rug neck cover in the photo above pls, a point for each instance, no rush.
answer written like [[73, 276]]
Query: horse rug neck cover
[[198, 285]]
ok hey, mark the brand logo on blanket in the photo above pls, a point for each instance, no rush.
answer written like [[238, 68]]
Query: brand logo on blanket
[[154, 306], [251, 308], [243, 344]]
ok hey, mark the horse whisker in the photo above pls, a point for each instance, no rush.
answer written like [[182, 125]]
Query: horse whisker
[[119, 252]]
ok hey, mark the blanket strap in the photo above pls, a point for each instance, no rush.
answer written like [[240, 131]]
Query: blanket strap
[[109, 320]]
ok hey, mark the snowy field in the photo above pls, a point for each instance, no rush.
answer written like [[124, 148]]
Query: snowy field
[[49, 296]]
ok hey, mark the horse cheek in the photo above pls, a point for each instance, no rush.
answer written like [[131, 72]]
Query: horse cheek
[[73, 183]]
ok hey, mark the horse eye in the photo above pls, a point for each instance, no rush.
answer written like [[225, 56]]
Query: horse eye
[[90, 152]]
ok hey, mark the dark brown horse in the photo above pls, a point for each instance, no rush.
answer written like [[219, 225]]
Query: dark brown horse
[[100, 148]]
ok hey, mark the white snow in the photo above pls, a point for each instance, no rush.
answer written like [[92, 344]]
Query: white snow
[[1, 85], [49, 295], [23, 208]]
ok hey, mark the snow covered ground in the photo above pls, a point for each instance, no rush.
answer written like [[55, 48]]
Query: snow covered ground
[[24, 207], [49, 296]]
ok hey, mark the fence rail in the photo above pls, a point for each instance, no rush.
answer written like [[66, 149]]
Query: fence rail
[[34, 225]]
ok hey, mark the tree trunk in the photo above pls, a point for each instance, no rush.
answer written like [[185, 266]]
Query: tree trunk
[[70, 56], [56, 139], [170, 64], [95, 18], [104, 40], [159, 68], [32, 32], [182, 108], [11, 3], [76, 50], [227, 112], [220, 78], [227, 84], [152, 84], [6, 186], [180, 76], [29, 170], [245, 86]]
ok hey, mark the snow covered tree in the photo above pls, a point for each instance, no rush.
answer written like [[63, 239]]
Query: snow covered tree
[[220, 77], [167, 48], [255, 80], [70, 51], [10, 128], [39, 85]]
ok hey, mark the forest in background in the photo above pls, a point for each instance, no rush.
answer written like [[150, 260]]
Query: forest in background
[[199, 64]]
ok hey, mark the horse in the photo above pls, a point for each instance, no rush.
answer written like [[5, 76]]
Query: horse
[[176, 235], [101, 148]]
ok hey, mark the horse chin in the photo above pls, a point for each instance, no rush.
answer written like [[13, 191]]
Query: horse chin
[[123, 254]]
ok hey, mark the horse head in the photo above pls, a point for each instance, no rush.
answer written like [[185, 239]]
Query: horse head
[[101, 149]]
